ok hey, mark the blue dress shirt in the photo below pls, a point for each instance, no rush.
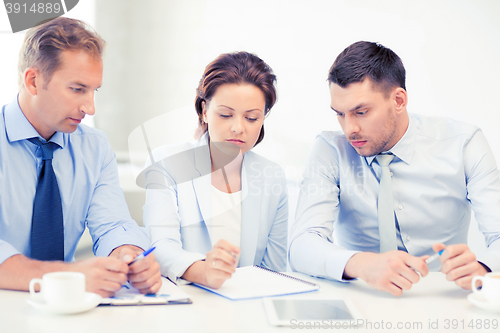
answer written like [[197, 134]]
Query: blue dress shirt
[[87, 175], [441, 169]]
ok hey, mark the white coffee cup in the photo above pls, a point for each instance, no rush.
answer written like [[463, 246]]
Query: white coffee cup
[[491, 286], [60, 288]]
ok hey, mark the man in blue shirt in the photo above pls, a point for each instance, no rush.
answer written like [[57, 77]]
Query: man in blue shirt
[[439, 169], [60, 68]]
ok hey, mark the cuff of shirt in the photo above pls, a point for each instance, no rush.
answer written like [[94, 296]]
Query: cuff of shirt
[[336, 262], [490, 260], [182, 282], [122, 235], [180, 266], [7, 251]]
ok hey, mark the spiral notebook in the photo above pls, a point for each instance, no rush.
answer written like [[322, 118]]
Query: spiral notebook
[[256, 282]]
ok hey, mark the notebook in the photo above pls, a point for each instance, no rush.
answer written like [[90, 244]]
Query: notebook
[[256, 282], [169, 293]]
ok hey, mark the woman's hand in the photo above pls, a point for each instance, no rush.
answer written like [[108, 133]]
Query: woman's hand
[[219, 265]]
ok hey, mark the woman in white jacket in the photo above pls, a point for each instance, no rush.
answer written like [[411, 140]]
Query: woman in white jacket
[[213, 205]]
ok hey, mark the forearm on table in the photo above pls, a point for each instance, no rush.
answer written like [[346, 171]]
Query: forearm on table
[[314, 255], [17, 271]]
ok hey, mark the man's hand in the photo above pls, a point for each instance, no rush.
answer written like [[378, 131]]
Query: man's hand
[[103, 276], [459, 264], [143, 274], [392, 271]]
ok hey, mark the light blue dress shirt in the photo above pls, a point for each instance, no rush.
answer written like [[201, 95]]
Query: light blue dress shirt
[[87, 176], [442, 168]]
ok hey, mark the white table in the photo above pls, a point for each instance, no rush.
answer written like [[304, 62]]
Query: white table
[[432, 299]]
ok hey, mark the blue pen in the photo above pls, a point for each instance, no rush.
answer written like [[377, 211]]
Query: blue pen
[[142, 255], [433, 257]]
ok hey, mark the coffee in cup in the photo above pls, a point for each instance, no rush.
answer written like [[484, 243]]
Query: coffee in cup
[[60, 288], [490, 288]]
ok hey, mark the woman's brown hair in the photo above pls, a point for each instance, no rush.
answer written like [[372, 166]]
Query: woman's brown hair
[[235, 68]]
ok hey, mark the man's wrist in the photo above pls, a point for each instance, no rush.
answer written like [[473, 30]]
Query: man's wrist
[[116, 250], [351, 268]]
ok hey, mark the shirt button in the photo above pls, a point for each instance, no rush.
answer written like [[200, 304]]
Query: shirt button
[[400, 207], [408, 238], [392, 174]]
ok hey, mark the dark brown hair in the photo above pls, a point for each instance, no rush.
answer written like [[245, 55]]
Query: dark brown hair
[[367, 59], [236, 68], [43, 44]]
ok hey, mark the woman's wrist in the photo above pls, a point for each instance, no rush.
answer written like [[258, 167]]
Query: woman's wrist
[[196, 273]]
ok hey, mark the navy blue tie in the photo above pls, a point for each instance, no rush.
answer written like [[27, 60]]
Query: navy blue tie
[[47, 232]]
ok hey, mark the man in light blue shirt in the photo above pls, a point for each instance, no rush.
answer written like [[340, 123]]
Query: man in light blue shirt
[[441, 169], [60, 68]]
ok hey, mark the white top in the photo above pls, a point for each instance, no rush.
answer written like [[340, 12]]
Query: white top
[[226, 210]]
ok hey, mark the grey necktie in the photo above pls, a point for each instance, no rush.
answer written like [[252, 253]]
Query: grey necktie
[[386, 222]]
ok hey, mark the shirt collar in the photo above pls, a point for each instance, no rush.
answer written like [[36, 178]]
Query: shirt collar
[[405, 147], [19, 128]]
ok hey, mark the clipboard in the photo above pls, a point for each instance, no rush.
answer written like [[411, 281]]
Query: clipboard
[[169, 294]]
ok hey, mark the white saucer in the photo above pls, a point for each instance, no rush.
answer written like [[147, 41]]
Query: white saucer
[[91, 301], [480, 301]]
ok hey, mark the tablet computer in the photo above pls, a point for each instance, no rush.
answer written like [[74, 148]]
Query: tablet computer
[[312, 313]]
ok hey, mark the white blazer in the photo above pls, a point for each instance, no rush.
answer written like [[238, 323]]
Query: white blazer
[[178, 208]]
